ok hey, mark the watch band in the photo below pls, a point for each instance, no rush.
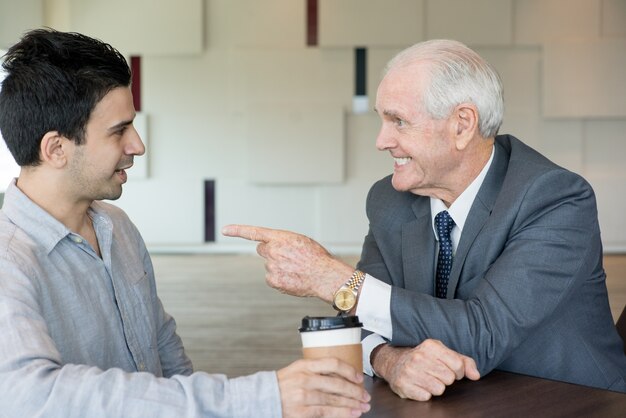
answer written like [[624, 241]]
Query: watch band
[[356, 280], [345, 298]]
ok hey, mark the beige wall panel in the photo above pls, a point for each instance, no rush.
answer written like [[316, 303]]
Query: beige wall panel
[[185, 99], [584, 79], [154, 205], [285, 207], [167, 27], [611, 211], [539, 21], [520, 72], [605, 147], [613, 18], [475, 22], [562, 141], [342, 214], [290, 75], [370, 23], [364, 161], [377, 58], [342, 207], [295, 142], [267, 23], [16, 17], [217, 24], [57, 14], [522, 125]]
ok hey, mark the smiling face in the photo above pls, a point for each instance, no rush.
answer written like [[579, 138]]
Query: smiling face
[[424, 153], [97, 168]]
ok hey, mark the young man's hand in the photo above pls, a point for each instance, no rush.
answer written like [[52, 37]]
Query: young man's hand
[[322, 388]]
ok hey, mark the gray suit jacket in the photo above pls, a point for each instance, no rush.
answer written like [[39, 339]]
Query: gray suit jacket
[[527, 289]]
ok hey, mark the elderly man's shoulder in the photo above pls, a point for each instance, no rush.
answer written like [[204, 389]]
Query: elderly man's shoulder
[[527, 161]]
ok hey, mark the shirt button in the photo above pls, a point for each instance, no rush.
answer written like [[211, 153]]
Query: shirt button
[[142, 366], [77, 240]]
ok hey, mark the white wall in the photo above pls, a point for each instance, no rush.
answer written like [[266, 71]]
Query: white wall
[[561, 61]]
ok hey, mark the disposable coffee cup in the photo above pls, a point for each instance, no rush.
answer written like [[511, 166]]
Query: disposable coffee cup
[[333, 336]]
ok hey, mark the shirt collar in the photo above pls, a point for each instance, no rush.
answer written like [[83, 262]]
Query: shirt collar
[[459, 210], [42, 227]]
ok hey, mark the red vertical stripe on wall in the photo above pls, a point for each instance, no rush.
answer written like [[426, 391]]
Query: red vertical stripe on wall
[[311, 22], [135, 68]]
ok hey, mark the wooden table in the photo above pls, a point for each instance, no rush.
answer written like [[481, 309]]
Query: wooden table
[[500, 394]]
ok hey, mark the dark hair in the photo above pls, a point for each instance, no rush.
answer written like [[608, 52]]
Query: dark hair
[[54, 80]]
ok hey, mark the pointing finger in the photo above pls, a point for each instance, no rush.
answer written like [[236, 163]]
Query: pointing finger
[[249, 232]]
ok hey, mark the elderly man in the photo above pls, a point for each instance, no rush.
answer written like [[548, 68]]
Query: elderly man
[[476, 241]]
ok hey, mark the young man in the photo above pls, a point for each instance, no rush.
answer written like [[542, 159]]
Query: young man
[[83, 331]]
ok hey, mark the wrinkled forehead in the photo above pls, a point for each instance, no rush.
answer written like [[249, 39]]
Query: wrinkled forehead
[[407, 79]]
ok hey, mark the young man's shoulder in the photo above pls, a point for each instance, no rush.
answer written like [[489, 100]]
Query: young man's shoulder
[[114, 212], [119, 219], [15, 244]]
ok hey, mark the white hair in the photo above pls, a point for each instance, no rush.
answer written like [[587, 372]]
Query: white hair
[[457, 75]]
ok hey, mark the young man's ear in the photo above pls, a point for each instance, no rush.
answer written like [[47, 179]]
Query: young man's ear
[[464, 124], [53, 149]]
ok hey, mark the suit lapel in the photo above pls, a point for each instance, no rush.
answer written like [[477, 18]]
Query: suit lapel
[[479, 213], [418, 240]]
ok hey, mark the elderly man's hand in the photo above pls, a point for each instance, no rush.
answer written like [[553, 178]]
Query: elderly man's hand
[[295, 264], [424, 371]]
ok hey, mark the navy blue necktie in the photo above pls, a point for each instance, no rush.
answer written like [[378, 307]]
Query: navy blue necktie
[[444, 224]]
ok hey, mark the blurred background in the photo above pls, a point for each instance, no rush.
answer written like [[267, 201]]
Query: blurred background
[[249, 114]]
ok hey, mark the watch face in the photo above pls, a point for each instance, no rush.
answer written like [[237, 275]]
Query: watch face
[[345, 300]]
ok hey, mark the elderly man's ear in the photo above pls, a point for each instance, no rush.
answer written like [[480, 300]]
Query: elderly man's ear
[[464, 124]]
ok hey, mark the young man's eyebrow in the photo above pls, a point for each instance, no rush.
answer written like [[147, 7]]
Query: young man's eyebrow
[[121, 125]]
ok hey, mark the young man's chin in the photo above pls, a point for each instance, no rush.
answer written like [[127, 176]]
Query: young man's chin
[[111, 195]]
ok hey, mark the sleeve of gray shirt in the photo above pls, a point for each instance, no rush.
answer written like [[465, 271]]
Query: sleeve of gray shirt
[[34, 381]]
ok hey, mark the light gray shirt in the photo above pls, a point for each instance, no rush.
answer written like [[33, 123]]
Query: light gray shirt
[[84, 336]]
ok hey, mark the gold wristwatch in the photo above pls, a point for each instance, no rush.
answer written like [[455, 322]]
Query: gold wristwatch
[[345, 298]]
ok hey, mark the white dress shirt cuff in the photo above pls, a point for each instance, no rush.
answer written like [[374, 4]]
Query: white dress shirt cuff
[[374, 309], [369, 343]]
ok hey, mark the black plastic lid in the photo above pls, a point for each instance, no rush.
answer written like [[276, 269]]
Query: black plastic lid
[[321, 323]]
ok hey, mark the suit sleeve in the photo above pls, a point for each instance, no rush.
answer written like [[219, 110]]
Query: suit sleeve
[[541, 253], [372, 261]]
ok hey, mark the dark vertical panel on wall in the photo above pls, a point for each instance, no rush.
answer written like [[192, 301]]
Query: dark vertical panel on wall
[[360, 71], [135, 68], [209, 210], [311, 22]]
